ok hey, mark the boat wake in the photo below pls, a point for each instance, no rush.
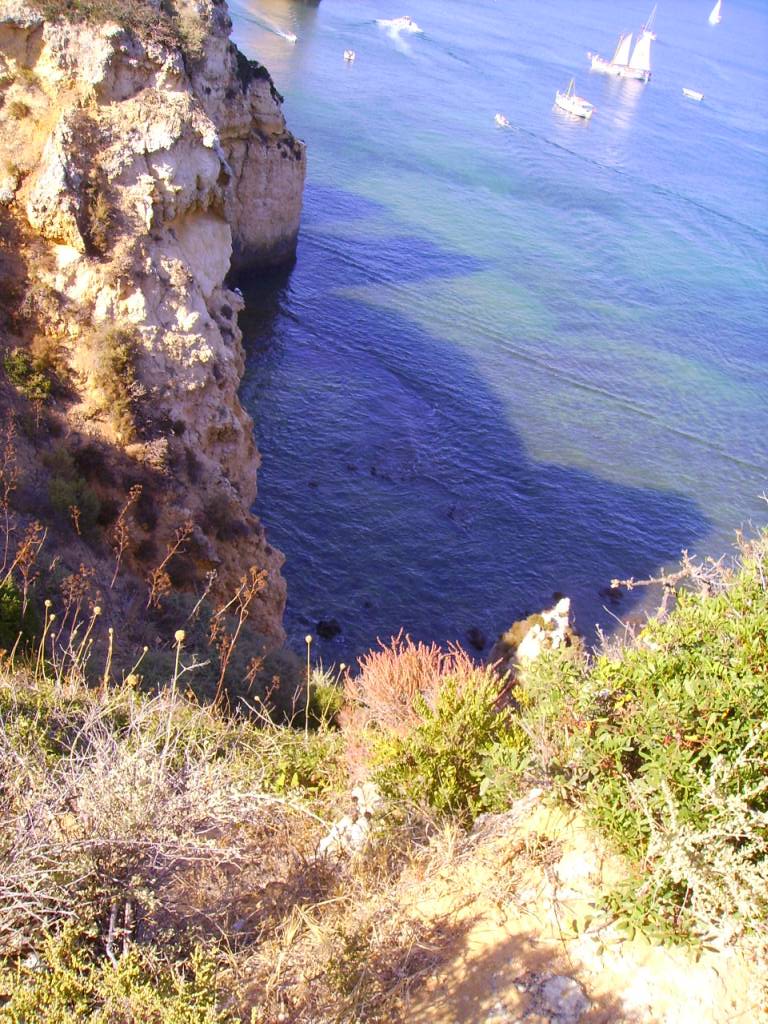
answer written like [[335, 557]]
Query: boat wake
[[268, 26]]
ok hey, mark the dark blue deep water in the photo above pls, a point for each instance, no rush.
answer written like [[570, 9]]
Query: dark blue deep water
[[514, 361]]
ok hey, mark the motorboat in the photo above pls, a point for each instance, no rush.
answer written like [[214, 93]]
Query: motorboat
[[502, 121], [715, 15], [349, 55], [693, 95], [573, 104], [403, 24]]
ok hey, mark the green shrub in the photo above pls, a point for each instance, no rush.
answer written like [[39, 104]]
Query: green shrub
[[68, 490], [66, 495], [27, 375], [70, 984], [326, 700], [294, 760], [192, 34], [453, 759], [667, 748], [15, 621], [114, 372]]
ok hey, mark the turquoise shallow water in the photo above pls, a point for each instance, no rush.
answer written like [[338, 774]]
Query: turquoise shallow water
[[508, 362]]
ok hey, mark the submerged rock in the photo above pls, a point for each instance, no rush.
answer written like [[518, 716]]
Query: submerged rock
[[476, 638], [327, 629]]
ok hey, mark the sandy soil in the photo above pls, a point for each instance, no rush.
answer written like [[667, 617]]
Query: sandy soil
[[526, 943]]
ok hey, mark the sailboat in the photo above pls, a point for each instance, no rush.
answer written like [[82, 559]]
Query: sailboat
[[639, 66], [619, 60], [715, 15]]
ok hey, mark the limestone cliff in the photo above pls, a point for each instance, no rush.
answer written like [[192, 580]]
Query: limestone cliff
[[135, 170]]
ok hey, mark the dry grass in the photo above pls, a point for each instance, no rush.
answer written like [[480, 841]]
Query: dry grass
[[144, 818], [122, 810]]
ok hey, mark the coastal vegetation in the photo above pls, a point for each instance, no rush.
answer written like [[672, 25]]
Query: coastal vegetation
[[168, 23], [169, 773], [158, 855]]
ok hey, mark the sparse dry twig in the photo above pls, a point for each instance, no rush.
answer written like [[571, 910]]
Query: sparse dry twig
[[120, 534], [25, 559], [239, 605], [9, 478], [159, 580]]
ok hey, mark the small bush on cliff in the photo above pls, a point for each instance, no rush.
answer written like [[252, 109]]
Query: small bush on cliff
[[27, 375], [19, 110], [100, 219], [17, 623], [192, 33], [114, 373], [68, 491], [393, 678], [427, 724]]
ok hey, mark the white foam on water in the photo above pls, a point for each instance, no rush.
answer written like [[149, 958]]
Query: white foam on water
[[396, 28]]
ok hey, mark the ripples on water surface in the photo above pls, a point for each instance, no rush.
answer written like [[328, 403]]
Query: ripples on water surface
[[508, 361]]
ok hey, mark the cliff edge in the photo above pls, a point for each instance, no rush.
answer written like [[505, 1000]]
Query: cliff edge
[[141, 157]]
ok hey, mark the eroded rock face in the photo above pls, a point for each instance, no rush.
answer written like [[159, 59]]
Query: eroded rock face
[[138, 176]]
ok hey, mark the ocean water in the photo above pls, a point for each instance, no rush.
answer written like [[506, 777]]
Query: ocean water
[[509, 362]]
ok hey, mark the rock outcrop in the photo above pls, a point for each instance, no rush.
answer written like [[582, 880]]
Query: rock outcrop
[[527, 639], [133, 174]]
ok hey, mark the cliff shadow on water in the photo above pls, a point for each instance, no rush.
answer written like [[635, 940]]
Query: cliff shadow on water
[[393, 478]]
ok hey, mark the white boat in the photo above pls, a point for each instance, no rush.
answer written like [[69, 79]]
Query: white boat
[[290, 37], [502, 121], [618, 61], [573, 104], [715, 15], [404, 24], [693, 95], [349, 55]]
